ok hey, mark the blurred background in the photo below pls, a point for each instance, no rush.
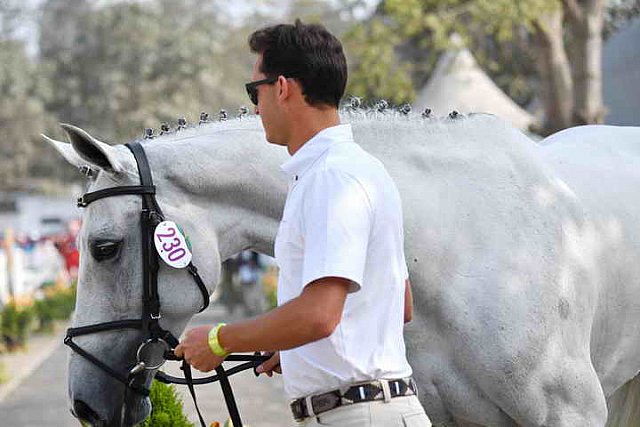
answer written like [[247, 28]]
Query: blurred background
[[116, 67]]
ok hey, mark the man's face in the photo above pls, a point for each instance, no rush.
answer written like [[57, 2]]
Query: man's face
[[268, 107]]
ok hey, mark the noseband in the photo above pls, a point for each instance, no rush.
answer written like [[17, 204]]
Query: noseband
[[155, 335]]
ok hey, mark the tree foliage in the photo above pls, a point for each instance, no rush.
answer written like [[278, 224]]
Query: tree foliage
[[547, 49], [419, 32], [618, 13], [22, 113], [496, 31], [440, 18], [375, 71], [113, 68], [132, 65]]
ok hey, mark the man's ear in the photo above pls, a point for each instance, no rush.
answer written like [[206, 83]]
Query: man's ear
[[284, 88]]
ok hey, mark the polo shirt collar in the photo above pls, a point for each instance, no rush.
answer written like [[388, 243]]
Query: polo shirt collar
[[311, 150]]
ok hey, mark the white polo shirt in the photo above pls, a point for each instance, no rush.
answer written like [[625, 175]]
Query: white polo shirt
[[343, 218]]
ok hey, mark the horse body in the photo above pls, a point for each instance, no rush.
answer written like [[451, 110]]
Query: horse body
[[502, 256]]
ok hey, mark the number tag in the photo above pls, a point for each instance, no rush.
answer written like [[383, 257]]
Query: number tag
[[172, 246]]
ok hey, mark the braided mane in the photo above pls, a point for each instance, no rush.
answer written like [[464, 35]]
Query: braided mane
[[251, 122]]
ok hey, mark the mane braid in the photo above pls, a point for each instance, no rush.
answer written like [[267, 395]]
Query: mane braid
[[389, 116]]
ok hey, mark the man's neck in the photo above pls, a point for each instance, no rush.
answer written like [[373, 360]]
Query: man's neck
[[308, 124]]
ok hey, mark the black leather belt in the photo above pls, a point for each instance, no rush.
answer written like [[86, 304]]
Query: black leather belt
[[364, 392]]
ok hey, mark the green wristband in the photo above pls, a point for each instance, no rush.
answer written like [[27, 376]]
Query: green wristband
[[214, 344]]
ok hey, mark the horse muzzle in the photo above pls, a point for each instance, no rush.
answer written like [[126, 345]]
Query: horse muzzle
[[86, 415]]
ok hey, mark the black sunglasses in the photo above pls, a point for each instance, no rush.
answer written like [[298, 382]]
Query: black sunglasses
[[252, 88]]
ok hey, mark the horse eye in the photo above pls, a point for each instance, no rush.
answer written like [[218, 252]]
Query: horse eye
[[104, 250]]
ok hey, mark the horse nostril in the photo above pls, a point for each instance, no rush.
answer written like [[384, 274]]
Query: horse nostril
[[83, 412]]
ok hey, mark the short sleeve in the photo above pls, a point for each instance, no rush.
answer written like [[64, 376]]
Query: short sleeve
[[336, 224]]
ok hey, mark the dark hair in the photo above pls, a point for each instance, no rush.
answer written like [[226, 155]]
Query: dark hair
[[309, 53]]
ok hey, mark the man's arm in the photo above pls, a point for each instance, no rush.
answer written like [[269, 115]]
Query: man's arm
[[311, 316], [408, 302]]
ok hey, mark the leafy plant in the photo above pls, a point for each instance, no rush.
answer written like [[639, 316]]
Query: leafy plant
[[44, 313], [58, 304], [167, 408], [15, 325]]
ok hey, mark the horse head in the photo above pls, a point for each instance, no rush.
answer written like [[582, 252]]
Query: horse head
[[110, 281]]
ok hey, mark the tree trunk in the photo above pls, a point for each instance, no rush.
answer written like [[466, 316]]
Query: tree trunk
[[585, 22], [554, 71]]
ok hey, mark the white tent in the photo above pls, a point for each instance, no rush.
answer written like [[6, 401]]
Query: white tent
[[459, 84]]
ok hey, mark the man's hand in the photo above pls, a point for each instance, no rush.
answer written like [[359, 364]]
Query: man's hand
[[194, 348], [270, 366]]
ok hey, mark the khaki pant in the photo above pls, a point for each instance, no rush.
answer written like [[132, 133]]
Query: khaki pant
[[398, 412]]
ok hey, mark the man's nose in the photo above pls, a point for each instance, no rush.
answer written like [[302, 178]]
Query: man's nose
[[255, 109]]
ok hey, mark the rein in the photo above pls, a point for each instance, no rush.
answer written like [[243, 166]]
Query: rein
[[157, 338]]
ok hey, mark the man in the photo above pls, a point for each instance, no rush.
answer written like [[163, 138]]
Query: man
[[343, 289]]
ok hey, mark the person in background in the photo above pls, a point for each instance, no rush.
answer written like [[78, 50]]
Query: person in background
[[249, 276], [66, 245]]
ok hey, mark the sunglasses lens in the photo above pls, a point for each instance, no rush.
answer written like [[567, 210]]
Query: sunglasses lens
[[252, 91]]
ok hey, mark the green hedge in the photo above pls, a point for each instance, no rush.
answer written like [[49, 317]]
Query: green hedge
[[18, 322], [15, 325], [166, 408], [56, 305]]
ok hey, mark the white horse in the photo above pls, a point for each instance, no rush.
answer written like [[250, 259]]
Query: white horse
[[523, 259]]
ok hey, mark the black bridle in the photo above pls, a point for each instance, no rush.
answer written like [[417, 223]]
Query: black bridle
[[150, 217]]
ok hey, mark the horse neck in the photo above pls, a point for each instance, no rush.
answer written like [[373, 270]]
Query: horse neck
[[229, 182]]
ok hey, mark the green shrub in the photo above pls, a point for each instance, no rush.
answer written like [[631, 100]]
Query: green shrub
[[57, 305], [167, 408], [63, 303], [45, 314], [15, 325]]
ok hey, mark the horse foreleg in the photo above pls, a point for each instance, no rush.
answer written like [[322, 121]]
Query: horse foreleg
[[568, 395]]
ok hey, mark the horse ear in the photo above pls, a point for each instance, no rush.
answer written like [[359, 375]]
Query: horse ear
[[66, 150], [93, 151]]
